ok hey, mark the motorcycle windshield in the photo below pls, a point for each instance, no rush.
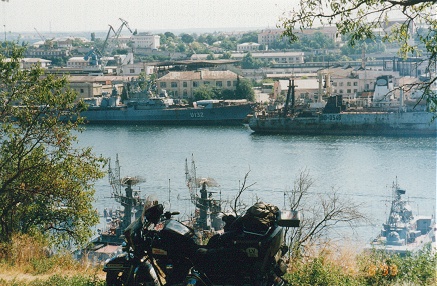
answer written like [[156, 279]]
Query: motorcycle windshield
[[177, 227], [152, 212]]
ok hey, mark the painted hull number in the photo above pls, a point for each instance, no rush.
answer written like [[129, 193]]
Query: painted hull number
[[196, 114]]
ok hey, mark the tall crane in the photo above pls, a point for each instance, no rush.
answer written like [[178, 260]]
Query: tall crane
[[106, 40], [41, 36], [118, 32]]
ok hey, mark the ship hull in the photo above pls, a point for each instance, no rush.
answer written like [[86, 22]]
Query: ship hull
[[359, 123], [226, 115]]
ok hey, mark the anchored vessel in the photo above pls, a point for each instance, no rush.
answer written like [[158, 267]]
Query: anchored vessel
[[159, 111], [336, 120], [107, 242], [404, 232]]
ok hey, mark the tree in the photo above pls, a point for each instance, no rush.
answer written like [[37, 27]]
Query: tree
[[187, 39], [251, 37], [359, 19], [210, 56], [244, 90], [320, 214], [249, 62], [46, 181], [203, 92], [226, 55]]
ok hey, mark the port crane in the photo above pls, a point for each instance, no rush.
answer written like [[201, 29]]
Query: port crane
[[95, 56]]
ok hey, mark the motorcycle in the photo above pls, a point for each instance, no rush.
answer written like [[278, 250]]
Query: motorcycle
[[160, 250]]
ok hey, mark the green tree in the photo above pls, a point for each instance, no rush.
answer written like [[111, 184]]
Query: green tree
[[228, 45], [244, 90], [187, 39], [251, 37], [46, 180], [210, 56], [226, 55], [203, 92], [359, 19], [249, 62]]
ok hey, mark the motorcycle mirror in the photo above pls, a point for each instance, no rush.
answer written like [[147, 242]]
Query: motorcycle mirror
[[168, 214], [289, 218]]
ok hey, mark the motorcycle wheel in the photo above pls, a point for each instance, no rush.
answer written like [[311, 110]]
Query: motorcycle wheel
[[114, 278]]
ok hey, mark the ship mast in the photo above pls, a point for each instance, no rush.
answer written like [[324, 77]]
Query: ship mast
[[290, 93]]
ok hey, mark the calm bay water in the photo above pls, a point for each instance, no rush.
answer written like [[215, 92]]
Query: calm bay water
[[362, 169]]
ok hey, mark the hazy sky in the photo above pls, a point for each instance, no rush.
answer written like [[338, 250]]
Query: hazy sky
[[144, 15]]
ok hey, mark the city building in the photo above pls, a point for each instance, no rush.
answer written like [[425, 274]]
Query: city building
[[267, 37], [248, 47], [182, 84], [274, 57], [77, 62], [27, 63], [146, 41]]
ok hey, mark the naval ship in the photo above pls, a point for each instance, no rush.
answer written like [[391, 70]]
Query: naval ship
[[404, 232], [335, 119], [163, 111]]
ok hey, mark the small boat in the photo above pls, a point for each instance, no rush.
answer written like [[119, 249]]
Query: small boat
[[404, 232]]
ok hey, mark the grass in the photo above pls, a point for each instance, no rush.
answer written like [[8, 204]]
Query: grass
[[30, 264], [343, 267]]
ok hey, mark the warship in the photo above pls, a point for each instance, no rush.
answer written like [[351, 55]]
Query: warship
[[404, 232], [162, 111], [335, 119], [109, 238]]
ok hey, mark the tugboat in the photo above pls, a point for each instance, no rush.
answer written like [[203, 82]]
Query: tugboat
[[403, 232]]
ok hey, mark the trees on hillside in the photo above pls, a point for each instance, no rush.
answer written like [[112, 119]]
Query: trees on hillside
[[360, 19], [46, 181]]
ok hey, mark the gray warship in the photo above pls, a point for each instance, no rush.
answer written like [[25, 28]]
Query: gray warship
[[404, 232], [335, 119], [162, 111]]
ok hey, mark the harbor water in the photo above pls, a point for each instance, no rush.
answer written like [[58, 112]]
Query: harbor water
[[361, 169]]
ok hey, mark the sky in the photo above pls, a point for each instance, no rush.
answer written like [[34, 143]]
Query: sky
[[143, 15]]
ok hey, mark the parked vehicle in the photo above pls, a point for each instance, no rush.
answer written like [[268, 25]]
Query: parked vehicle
[[160, 250]]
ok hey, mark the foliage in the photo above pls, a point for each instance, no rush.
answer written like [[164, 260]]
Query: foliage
[[46, 183], [319, 271], [187, 39], [381, 268], [251, 37], [374, 268], [359, 19], [249, 62], [228, 45], [203, 92], [30, 255], [244, 90], [226, 55], [321, 214]]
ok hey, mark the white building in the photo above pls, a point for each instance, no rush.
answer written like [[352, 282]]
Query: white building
[[276, 57], [27, 63], [77, 62], [245, 47], [146, 41]]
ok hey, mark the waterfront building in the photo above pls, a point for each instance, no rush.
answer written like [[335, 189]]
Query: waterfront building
[[182, 84]]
